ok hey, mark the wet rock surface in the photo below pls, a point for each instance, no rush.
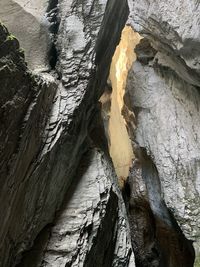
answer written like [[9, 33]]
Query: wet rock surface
[[156, 237], [50, 114], [164, 90], [59, 198], [25, 103], [28, 22], [90, 229]]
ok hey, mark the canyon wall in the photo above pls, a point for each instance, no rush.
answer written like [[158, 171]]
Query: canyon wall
[[61, 201], [163, 86], [47, 116]]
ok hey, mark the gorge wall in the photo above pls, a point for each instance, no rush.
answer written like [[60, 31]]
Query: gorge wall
[[99, 136], [165, 79]]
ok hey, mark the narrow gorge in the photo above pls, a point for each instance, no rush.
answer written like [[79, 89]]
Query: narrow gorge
[[100, 133]]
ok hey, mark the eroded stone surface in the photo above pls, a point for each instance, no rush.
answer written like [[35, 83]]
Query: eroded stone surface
[[25, 104], [28, 22], [50, 116], [166, 99], [168, 127], [90, 229], [172, 26], [49, 141]]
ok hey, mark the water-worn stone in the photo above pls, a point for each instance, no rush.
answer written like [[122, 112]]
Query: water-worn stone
[[165, 95], [90, 229], [27, 21], [46, 120], [24, 108], [173, 28], [45, 135]]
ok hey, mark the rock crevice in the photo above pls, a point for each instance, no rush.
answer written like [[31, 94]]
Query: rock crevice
[[59, 193]]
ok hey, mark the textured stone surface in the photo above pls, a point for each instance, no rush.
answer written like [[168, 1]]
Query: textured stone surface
[[27, 21], [168, 127], [173, 27], [90, 229], [46, 120], [44, 149], [157, 240], [25, 104], [165, 96]]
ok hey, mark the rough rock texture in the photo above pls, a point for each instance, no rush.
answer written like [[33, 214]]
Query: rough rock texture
[[164, 89], [25, 103], [157, 239], [58, 195], [90, 229], [28, 22], [47, 117], [173, 28]]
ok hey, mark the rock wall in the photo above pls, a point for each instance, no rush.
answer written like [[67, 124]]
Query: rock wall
[[164, 90], [47, 117], [27, 21], [90, 232], [25, 103], [60, 201]]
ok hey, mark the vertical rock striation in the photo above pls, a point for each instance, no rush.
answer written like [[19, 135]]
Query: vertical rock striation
[[50, 115], [164, 90], [25, 103], [59, 196], [90, 229]]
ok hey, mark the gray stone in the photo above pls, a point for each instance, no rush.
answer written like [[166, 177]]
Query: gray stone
[[90, 229], [44, 137], [56, 200], [168, 127], [170, 25], [165, 95], [27, 21]]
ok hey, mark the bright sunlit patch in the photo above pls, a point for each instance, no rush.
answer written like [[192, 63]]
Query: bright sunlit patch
[[120, 144]]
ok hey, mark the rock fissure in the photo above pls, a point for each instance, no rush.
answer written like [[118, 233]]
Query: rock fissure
[[52, 16], [47, 173], [144, 104], [156, 236], [165, 244], [88, 182]]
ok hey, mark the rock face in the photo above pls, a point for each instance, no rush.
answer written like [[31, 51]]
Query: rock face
[[164, 89], [50, 118], [90, 229], [27, 21], [25, 104], [60, 201], [173, 28]]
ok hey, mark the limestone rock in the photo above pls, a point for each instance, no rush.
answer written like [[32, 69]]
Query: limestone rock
[[172, 26], [25, 104], [165, 95], [47, 116], [28, 22], [59, 196], [90, 229]]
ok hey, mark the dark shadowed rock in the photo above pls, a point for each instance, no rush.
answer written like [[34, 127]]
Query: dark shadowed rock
[[165, 97], [46, 118]]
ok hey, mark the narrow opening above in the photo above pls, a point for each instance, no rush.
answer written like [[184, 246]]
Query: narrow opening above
[[115, 112]]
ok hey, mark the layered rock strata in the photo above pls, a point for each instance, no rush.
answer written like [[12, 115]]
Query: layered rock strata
[[90, 229], [52, 114], [59, 195], [164, 90]]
